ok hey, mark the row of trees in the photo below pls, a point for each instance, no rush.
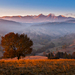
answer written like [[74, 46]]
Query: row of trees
[[61, 55]]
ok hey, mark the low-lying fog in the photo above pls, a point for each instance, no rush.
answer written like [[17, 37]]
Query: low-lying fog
[[51, 29]]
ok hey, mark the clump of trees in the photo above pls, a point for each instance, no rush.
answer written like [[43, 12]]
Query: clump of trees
[[16, 45], [61, 55], [50, 56], [73, 55]]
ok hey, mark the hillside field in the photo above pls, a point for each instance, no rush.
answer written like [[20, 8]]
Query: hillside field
[[37, 67]]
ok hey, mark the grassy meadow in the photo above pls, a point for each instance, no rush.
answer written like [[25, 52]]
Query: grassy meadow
[[37, 67]]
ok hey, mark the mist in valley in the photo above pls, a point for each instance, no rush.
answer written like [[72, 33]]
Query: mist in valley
[[42, 34]]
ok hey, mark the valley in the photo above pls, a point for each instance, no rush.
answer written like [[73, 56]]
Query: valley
[[43, 34]]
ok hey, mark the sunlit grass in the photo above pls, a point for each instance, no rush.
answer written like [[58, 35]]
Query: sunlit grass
[[38, 67]]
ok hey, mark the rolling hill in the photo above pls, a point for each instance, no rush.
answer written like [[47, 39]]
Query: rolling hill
[[8, 26]]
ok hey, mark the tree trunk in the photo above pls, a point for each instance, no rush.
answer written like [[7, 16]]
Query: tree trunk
[[18, 57]]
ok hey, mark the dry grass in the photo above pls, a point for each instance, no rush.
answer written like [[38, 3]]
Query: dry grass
[[37, 67]]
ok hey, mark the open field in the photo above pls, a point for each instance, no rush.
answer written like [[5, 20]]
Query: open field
[[37, 67]]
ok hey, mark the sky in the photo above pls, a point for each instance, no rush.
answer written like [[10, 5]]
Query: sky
[[35, 7]]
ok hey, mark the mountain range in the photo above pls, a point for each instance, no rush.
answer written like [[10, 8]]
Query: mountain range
[[38, 18]]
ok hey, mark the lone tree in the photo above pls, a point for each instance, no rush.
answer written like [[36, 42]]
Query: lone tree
[[16, 45]]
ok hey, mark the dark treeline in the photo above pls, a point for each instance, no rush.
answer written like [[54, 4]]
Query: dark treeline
[[62, 55]]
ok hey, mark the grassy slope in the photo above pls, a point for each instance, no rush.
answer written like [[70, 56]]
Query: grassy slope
[[37, 67], [67, 39]]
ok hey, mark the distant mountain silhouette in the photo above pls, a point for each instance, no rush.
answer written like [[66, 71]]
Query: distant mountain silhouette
[[38, 18], [8, 26], [8, 22]]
